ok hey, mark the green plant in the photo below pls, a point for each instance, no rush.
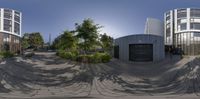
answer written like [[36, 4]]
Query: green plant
[[85, 58], [105, 58], [1, 56], [6, 54], [67, 54], [96, 58]]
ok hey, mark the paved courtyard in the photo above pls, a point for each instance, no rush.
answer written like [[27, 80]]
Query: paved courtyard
[[45, 76]]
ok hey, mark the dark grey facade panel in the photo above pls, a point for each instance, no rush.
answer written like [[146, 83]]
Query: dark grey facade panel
[[156, 41], [141, 52], [116, 51]]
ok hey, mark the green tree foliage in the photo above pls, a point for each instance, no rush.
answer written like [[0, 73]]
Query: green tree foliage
[[32, 40], [55, 44], [36, 40], [106, 42], [66, 41], [87, 32], [83, 43], [25, 41]]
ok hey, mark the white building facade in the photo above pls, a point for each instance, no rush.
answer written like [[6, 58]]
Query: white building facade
[[154, 26], [10, 29], [182, 30]]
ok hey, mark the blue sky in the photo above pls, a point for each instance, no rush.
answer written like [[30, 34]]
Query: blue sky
[[119, 17]]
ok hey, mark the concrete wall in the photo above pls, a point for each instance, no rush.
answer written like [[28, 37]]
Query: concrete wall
[[157, 41]]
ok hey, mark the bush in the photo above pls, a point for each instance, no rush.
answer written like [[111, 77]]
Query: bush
[[92, 58], [64, 54], [1, 57], [6, 54], [74, 55], [106, 58], [67, 55], [101, 57], [96, 58], [85, 58]]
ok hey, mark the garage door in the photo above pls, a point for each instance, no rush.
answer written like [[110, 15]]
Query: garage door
[[141, 52]]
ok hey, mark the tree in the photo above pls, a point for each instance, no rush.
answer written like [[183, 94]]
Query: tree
[[55, 44], [106, 42], [36, 40], [25, 41], [66, 41], [87, 33]]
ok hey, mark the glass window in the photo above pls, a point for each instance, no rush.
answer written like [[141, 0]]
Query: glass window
[[181, 13], [168, 32], [17, 18], [7, 25], [168, 18], [195, 26], [17, 13], [7, 10], [8, 13], [7, 22], [183, 26], [17, 28], [195, 12], [196, 34], [6, 37]]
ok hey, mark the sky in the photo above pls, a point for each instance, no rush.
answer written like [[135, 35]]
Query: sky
[[118, 17]]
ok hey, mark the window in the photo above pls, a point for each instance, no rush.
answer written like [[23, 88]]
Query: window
[[17, 18], [195, 12], [195, 26], [168, 14], [168, 32], [196, 34], [17, 13], [6, 38], [17, 28], [168, 18], [183, 26], [181, 13], [7, 25], [7, 22], [8, 13], [7, 10]]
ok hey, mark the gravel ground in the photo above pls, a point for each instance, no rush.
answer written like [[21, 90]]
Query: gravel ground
[[45, 76]]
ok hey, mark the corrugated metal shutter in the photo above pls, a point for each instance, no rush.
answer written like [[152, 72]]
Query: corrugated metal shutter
[[141, 52]]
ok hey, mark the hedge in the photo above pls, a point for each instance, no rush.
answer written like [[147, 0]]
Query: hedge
[[88, 58], [6, 54]]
